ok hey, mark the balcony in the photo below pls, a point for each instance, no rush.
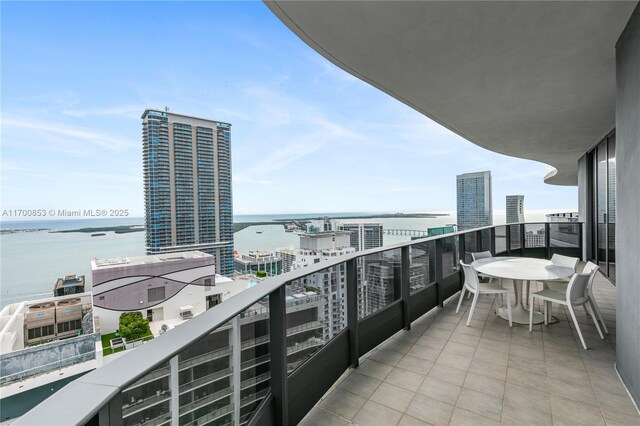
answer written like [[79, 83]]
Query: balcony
[[409, 358], [442, 372]]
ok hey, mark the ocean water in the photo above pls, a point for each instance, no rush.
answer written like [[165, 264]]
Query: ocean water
[[30, 262]]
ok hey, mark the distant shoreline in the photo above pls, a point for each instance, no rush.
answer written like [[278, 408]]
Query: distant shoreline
[[121, 229]]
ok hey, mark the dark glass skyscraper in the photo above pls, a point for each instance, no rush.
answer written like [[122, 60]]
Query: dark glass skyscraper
[[187, 186]]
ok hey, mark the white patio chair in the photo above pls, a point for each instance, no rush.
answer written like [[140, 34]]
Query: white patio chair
[[482, 255], [560, 284], [577, 294], [588, 269], [473, 285]]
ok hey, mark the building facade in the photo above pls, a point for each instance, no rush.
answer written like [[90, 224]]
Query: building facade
[[473, 195], [515, 208], [187, 186], [288, 256], [364, 236], [331, 283], [259, 260]]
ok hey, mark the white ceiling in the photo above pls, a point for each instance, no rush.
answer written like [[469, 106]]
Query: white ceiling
[[534, 80]]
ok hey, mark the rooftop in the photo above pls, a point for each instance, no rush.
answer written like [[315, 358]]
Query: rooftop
[[144, 260]]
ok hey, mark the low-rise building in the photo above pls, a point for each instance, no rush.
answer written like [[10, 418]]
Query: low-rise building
[[259, 260], [70, 284]]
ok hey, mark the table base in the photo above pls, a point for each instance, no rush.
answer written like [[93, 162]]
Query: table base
[[520, 315]]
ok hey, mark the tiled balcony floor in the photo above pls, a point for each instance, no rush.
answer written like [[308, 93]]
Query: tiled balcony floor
[[442, 372]]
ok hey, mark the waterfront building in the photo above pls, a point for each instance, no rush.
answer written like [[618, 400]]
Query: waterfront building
[[473, 195], [331, 283], [288, 256], [70, 284], [364, 235], [515, 208], [187, 186], [259, 260]]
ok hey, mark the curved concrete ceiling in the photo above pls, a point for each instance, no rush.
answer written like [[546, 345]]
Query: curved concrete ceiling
[[534, 80]]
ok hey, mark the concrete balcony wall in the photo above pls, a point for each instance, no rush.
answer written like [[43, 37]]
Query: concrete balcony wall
[[628, 203]]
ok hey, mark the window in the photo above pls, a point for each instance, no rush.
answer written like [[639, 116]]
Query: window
[[155, 294]]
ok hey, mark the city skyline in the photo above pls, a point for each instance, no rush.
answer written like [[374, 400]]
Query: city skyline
[[71, 116]]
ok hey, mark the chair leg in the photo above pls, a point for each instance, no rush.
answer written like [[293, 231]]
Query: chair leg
[[531, 314], [468, 295], [509, 313], [473, 306], [546, 317], [594, 305], [461, 297], [589, 308], [575, 322], [526, 294]]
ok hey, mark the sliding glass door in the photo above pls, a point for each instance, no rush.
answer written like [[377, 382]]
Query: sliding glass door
[[604, 204]]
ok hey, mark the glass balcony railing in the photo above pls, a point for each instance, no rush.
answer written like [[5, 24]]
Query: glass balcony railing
[[267, 355]]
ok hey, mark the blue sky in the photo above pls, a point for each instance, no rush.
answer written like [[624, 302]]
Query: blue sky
[[306, 137]]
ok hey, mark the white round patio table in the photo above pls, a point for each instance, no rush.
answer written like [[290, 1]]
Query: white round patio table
[[519, 270]]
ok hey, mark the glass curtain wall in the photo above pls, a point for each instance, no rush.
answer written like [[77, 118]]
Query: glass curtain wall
[[604, 205]]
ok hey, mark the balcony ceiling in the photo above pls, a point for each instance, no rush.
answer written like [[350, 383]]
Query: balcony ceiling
[[533, 80]]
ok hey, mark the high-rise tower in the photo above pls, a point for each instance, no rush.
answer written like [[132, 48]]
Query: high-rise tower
[[187, 186], [515, 208], [474, 200]]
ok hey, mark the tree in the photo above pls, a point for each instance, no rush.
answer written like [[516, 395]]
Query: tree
[[133, 326]]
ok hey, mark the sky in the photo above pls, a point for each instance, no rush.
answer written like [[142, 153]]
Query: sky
[[306, 136]]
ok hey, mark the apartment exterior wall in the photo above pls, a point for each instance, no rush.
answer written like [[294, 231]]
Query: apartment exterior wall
[[628, 204]]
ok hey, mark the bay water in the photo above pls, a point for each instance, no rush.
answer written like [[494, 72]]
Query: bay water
[[30, 262]]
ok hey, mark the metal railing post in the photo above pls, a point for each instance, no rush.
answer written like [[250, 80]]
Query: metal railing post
[[580, 242], [352, 310], [438, 265], [174, 387], [405, 290], [547, 241], [508, 235], [462, 249], [236, 347], [522, 240], [478, 241], [492, 241], [278, 347]]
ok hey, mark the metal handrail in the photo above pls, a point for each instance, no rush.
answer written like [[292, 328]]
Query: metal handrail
[[105, 383]]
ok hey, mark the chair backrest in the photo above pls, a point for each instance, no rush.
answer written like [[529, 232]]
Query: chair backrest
[[592, 269], [481, 255], [577, 290], [470, 276], [566, 261]]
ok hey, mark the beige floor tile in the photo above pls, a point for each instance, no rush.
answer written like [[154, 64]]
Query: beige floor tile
[[375, 414], [375, 369], [342, 403], [466, 339], [417, 365], [386, 356], [525, 378], [488, 369], [484, 384], [480, 403], [523, 406], [570, 413], [448, 374], [424, 352], [320, 417], [430, 410], [405, 379], [411, 421], [360, 384], [392, 396], [463, 417], [440, 390], [575, 390]]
